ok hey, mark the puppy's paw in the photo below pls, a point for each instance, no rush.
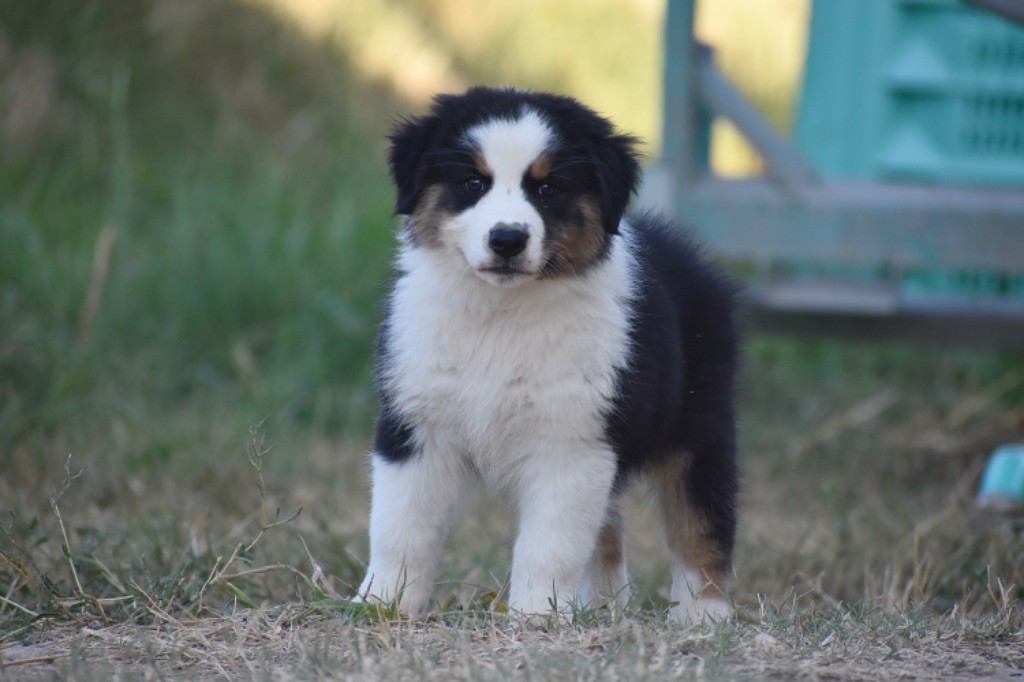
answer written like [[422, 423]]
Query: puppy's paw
[[394, 596], [701, 610]]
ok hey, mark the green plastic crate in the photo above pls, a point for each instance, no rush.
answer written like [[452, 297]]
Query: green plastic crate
[[917, 90]]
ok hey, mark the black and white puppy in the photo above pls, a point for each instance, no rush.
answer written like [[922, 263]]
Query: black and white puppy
[[538, 342]]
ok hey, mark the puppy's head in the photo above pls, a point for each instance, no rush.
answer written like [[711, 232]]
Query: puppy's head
[[519, 185]]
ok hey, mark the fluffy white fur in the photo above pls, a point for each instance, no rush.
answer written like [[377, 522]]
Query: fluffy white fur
[[523, 413]]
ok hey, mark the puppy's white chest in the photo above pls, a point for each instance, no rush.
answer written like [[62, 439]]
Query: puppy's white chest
[[490, 370]]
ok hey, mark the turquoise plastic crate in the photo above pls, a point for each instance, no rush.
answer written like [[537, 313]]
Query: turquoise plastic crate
[[919, 90]]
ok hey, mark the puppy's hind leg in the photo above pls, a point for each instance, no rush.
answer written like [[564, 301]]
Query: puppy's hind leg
[[606, 579], [699, 529]]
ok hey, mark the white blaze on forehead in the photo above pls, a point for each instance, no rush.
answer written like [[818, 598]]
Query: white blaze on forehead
[[510, 146]]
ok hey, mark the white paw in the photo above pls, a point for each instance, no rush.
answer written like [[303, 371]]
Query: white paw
[[692, 611], [542, 617], [537, 605], [408, 597]]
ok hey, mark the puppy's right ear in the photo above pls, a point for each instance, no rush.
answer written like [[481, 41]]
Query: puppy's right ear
[[410, 140]]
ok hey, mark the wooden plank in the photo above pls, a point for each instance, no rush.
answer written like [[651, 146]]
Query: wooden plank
[[827, 295], [679, 112], [901, 226], [965, 326], [723, 99]]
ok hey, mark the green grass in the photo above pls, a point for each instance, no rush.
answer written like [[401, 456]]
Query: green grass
[[250, 208], [236, 159], [236, 163]]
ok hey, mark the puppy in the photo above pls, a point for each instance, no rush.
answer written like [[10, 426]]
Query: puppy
[[538, 342]]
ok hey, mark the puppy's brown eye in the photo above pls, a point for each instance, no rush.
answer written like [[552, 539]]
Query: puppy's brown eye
[[474, 185], [547, 189]]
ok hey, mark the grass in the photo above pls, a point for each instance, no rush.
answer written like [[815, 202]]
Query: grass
[[849, 563], [285, 643], [242, 240], [194, 238]]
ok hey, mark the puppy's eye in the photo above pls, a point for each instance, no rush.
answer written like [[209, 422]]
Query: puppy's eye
[[474, 185], [547, 189]]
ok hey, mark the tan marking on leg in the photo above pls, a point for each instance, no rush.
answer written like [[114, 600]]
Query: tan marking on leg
[[685, 531], [611, 548], [606, 578]]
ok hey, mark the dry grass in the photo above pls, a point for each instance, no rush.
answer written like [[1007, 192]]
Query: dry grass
[[292, 643], [860, 552]]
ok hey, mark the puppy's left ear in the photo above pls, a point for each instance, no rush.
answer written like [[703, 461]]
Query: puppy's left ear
[[410, 139], [618, 173]]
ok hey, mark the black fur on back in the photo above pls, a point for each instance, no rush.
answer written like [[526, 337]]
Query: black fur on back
[[677, 394]]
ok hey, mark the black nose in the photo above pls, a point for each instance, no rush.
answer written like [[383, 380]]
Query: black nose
[[507, 240]]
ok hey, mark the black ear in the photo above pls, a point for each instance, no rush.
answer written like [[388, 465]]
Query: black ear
[[618, 174], [410, 139]]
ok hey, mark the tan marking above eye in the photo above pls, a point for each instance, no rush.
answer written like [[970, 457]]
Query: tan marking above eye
[[481, 165], [540, 168]]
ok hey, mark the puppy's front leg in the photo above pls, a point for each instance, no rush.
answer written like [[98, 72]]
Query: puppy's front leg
[[563, 497], [413, 504]]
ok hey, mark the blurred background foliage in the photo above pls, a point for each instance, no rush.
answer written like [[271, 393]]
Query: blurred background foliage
[[231, 153]]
